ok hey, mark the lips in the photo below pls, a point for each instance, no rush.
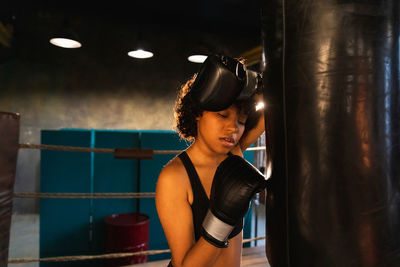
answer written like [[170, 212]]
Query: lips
[[228, 141]]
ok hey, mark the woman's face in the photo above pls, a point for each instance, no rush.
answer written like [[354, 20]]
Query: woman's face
[[221, 130]]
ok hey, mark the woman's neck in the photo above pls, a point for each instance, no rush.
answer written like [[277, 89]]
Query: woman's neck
[[202, 154]]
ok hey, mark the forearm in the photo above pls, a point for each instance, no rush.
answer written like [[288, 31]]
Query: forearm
[[251, 136], [200, 254]]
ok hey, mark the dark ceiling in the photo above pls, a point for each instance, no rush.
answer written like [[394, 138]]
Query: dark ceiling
[[209, 15], [219, 24]]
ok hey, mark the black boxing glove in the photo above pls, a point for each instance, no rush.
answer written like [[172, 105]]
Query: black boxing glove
[[235, 182], [222, 80]]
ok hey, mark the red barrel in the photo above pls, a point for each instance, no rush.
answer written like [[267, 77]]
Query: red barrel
[[127, 232]]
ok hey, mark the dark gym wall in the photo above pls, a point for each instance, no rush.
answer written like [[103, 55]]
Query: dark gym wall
[[97, 86]]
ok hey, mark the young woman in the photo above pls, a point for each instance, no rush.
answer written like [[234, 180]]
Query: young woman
[[184, 184]]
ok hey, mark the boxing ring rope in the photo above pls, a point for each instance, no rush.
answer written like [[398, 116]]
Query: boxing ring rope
[[126, 153], [105, 256], [85, 195]]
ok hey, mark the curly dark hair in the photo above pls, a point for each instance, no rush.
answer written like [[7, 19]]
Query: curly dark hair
[[187, 110]]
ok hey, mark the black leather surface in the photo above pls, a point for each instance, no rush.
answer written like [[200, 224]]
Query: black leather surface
[[9, 137], [333, 109], [221, 80], [235, 183]]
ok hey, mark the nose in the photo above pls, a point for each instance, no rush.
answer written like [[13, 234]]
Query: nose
[[233, 125]]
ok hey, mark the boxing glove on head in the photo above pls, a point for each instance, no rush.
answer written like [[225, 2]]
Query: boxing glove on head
[[221, 81], [235, 183]]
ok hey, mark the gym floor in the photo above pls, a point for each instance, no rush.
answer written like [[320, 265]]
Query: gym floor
[[24, 238]]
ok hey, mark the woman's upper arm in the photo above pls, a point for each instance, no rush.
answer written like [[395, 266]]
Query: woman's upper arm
[[175, 213], [252, 135]]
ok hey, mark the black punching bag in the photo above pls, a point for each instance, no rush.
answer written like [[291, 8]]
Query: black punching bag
[[333, 123], [9, 136]]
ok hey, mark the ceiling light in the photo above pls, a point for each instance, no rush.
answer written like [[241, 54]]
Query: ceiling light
[[65, 42], [140, 53], [142, 47], [65, 37], [197, 58], [199, 52]]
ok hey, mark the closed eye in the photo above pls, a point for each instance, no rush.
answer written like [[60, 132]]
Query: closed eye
[[222, 115], [242, 120]]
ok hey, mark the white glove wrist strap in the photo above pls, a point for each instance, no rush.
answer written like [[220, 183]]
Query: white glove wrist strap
[[216, 228]]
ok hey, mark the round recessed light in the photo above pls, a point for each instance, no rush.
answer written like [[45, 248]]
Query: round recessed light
[[65, 43], [197, 58], [140, 54]]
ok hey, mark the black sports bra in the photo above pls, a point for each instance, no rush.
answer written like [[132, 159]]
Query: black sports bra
[[201, 202]]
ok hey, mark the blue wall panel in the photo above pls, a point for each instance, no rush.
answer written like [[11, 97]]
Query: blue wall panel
[[112, 176], [64, 223]]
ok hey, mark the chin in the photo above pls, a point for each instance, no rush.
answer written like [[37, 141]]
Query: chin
[[223, 150]]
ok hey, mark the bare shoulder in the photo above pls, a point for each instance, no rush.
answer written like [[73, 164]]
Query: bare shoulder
[[173, 208], [173, 177], [173, 171]]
